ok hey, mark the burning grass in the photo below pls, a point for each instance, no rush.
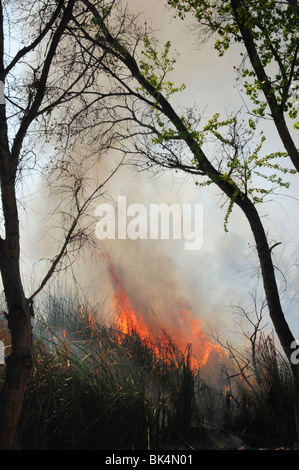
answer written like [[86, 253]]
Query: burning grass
[[98, 393], [166, 344], [95, 386]]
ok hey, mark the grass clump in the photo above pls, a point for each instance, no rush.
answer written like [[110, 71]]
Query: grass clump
[[261, 396], [89, 390], [95, 388]]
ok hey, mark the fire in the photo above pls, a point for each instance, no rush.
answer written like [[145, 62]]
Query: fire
[[89, 317], [183, 338], [126, 319]]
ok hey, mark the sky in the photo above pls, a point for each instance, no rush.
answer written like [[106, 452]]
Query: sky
[[159, 274]]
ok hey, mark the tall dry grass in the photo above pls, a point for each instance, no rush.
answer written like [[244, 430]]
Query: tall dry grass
[[90, 390], [261, 396]]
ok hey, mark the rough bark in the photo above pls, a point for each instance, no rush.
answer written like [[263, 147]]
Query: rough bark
[[18, 368], [19, 362]]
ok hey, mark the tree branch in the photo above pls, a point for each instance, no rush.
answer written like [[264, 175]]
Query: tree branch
[[25, 50], [70, 233], [34, 107]]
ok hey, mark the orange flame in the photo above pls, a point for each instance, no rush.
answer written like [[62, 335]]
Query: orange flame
[[184, 331], [89, 316]]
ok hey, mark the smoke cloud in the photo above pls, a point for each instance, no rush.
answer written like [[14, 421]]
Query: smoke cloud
[[159, 275]]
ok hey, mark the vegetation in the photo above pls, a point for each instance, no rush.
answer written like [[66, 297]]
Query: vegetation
[[112, 92], [88, 390]]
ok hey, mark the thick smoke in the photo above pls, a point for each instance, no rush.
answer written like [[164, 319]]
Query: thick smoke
[[159, 275]]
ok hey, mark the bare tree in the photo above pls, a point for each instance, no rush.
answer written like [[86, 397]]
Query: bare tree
[[250, 325], [49, 99]]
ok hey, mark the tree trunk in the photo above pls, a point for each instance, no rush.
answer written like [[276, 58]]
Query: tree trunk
[[269, 281], [295, 369], [18, 367], [277, 316], [19, 362]]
